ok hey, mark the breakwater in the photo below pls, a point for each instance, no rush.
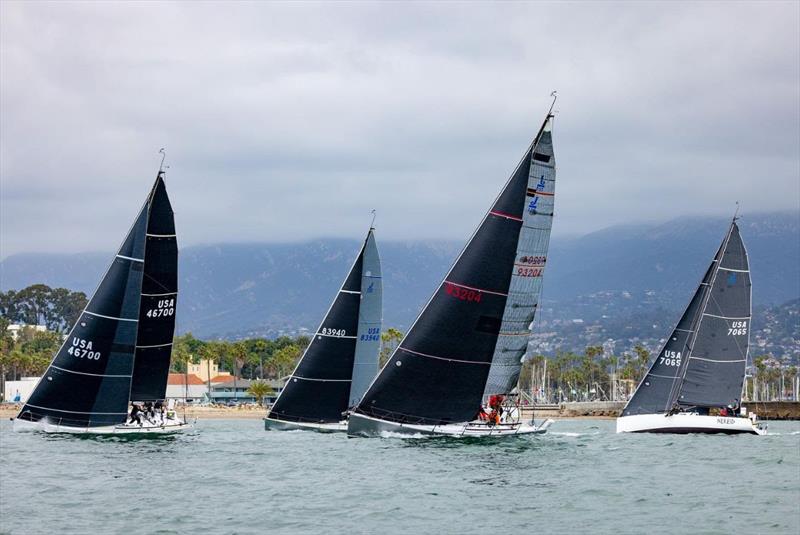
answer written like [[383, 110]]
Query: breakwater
[[766, 410]]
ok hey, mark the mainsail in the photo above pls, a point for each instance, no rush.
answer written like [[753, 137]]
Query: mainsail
[[88, 382], [469, 338], [702, 363], [342, 358], [158, 301]]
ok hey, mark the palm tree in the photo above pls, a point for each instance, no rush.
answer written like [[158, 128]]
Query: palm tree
[[259, 390]]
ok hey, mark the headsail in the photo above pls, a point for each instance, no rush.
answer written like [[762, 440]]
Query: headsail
[[703, 361], [338, 362], [439, 371], [159, 299], [88, 381]]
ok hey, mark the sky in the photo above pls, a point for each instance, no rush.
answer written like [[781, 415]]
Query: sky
[[292, 121]]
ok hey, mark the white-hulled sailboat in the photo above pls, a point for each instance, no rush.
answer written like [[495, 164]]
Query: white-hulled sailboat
[[702, 364], [118, 351], [464, 351], [342, 358]]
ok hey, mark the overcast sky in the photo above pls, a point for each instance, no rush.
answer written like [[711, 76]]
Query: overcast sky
[[292, 121]]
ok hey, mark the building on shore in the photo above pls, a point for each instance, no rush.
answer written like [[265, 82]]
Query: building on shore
[[15, 329], [19, 391], [205, 369], [182, 386]]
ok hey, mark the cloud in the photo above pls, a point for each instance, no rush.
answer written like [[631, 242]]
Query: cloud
[[292, 121]]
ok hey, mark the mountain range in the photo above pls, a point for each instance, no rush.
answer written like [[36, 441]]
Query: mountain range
[[266, 289]]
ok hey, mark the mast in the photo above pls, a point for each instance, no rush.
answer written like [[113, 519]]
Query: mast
[[438, 373]]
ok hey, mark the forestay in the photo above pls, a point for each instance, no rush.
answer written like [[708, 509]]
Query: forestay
[[439, 371]]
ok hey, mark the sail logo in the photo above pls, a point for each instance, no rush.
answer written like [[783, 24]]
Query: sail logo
[[81, 348], [731, 278], [371, 287]]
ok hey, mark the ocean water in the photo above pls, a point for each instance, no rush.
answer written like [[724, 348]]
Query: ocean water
[[230, 476]]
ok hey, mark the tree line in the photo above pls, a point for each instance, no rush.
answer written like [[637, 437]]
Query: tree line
[[55, 308], [593, 375]]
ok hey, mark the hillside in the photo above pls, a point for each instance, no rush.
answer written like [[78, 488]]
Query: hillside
[[637, 275]]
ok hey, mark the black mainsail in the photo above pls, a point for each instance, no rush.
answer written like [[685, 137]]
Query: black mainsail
[[342, 358], [478, 319], [703, 362], [158, 299]]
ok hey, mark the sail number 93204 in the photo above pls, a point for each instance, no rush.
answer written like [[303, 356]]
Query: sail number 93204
[[737, 328], [166, 307]]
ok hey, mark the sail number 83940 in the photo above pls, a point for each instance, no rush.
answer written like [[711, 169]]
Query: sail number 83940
[[737, 328], [166, 307]]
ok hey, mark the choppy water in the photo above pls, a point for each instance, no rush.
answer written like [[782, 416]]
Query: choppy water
[[230, 476]]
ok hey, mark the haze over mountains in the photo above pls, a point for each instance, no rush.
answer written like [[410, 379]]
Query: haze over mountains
[[234, 290]]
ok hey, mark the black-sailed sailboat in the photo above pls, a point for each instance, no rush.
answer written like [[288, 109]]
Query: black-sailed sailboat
[[466, 346], [701, 367], [118, 351], [342, 358]]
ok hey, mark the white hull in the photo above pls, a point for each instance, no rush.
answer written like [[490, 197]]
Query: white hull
[[45, 426], [360, 425], [683, 423], [282, 425]]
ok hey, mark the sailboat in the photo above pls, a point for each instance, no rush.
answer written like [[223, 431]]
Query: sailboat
[[118, 351], [342, 358], [466, 346], [702, 364]]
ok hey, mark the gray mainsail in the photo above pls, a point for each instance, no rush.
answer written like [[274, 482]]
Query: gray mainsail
[[702, 363], [527, 275], [370, 318]]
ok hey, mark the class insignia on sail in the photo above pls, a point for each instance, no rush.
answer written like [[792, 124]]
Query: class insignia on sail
[[701, 367], [118, 351], [466, 346], [342, 358]]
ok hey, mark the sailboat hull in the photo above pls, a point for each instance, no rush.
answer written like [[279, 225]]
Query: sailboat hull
[[282, 425], [684, 423], [365, 426], [46, 426]]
